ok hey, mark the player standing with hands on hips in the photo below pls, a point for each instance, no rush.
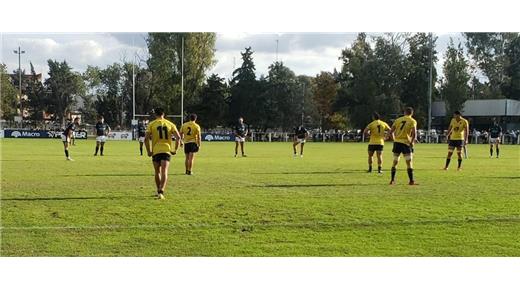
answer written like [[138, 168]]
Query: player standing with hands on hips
[[495, 133], [141, 133], [404, 134], [240, 136], [160, 132], [102, 130]]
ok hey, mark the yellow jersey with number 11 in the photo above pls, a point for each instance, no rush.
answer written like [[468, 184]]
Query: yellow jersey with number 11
[[161, 131]]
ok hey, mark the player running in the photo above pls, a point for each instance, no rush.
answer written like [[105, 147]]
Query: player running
[[102, 131], [67, 135], [160, 133], [240, 136], [404, 134], [457, 138], [141, 133], [377, 129], [190, 133], [300, 136], [495, 133]]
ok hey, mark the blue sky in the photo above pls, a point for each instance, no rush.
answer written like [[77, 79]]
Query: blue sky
[[304, 53]]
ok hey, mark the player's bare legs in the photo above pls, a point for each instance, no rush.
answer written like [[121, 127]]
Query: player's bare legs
[[66, 146], [242, 149], [295, 143], [409, 168], [157, 168], [448, 158], [236, 148], [394, 165], [379, 155], [141, 147], [459, 159], [101, 148], [164, 174], [97, 148], [301, 149], [497, 147], [370, 159], [190, 160]]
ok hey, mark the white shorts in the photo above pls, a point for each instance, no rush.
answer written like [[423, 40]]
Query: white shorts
[[300, 141], [493, 140], [240, 139], [64, 138], [101, 139], [141, 139]]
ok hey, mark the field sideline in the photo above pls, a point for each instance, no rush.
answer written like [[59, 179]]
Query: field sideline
[[268, 204]]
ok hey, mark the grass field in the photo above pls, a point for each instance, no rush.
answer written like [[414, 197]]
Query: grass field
[[268, 204]]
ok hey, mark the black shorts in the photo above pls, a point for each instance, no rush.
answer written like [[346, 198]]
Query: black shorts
[[191, 148], [456, 143], [401, 148], [160, 157], [372, 147]]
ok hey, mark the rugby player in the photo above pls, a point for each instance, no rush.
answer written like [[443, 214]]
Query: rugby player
[[300, 137], [458, 132], [67, 135], [404, 134], [102, 131], [495, 133], [240, 136], [191, 136], [377, 130]]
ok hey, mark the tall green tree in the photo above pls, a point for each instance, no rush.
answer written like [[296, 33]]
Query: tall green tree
[[213, 108], [454, 89], [512, 89], [37, 98], [488, 53], [325, 89], [63, 86], [283, 98], [8, 95], [417, 79], [165, 64], [245, 93]]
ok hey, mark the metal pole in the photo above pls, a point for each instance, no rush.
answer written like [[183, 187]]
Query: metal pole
[[182, 81], [133, 83], [277, 50], [303, 104], [430, 84], [20, 79]]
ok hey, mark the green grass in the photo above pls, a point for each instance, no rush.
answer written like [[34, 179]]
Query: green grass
[[268, 204]]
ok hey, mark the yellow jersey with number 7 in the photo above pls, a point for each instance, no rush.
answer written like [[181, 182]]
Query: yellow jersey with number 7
[[403, 128], [161, 131]]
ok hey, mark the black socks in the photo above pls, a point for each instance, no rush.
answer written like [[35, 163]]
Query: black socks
[[447, 162], [410, 174], [67, 153], [393, 173]]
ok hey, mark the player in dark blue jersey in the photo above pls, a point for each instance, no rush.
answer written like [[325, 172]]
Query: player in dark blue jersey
[[240, 136], [300, 136], [141, 133], [67, 135], [495, 134], [102, 131]]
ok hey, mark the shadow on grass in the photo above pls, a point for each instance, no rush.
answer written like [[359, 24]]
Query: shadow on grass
[[312, 185], [51, 198], [314, 172], [116, 174], [501, 177]]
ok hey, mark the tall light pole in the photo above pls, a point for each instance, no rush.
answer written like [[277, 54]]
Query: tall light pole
[[20, 52], [303, 104], [277, 50], [430, 84], [182, 81]]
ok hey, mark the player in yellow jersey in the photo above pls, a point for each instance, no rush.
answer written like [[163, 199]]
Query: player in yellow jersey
[[191, 136], [404, 134], [377, 131], [457, 138], [160, 132]]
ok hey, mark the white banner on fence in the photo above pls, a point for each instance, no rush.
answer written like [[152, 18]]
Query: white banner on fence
[[120, 135], [1, 133]]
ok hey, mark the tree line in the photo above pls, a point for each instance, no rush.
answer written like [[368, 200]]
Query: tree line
[[381, 73]]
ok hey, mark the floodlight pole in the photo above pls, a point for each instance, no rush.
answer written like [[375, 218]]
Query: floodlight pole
[[303, 104], [133, 83], [430, 84], [182, 80], [20, 52]]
